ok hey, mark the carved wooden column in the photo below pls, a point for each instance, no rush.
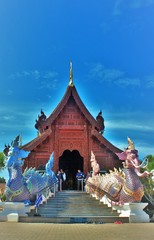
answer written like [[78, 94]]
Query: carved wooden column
[[85, 149], [55, 141]]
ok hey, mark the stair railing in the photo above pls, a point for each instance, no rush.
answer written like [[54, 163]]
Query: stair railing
[[47, 192]]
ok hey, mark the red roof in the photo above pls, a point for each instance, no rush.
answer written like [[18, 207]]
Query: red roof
[[70, 92], [105, 142], [36, 141]]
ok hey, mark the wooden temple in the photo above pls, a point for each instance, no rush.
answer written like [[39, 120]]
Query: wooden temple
[[71, 132]]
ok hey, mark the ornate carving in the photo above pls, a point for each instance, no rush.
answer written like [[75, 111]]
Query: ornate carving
[[100, 121], [71, 135], [70, 145], [40, 122]]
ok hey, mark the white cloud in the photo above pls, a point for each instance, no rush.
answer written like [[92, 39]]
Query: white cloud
[[36, 74], [49, 84], [111, 75], [125, 82], [141, 3], [129, 125], [145, 150], [50, 74], [120, 6], [15, 75], [101, 73], [117, 7], [47, 79], [149, 81], [7, 118], [26, 73]]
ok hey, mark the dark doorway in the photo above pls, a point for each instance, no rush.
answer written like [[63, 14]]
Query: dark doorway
[[70, 162]]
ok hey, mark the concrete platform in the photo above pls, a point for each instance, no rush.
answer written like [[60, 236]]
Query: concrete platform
[[39, 231], [74, 219]]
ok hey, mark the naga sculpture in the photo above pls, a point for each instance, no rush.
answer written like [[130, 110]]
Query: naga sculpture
[[20, 186], [123, 186], [95, 166]]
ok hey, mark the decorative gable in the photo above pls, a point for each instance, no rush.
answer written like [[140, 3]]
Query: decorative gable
[[71, 128]]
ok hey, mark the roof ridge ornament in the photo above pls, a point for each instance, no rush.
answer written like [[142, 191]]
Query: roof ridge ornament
[[71, 75]]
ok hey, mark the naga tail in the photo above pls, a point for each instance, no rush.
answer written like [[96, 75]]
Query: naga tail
[[111, 184]]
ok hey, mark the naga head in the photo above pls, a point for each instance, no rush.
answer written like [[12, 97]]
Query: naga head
[[16, 156], [49, 164], [130, 156]]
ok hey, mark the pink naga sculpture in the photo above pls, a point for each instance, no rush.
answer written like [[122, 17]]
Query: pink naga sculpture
[[123, 186], [95, 166]]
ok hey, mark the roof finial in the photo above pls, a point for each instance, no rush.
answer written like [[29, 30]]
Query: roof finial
[[71, 75]]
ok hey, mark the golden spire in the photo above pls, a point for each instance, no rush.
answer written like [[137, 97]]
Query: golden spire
[[71, 75]]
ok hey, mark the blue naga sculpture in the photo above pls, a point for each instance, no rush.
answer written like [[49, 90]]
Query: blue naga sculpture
[[22, 186]]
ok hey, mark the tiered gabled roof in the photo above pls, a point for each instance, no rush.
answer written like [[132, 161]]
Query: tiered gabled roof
[[36, 141], [71, 92], [105, 142]]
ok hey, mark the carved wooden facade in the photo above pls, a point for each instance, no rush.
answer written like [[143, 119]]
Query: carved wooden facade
[[71, 127]]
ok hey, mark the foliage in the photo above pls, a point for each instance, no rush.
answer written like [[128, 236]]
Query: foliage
[[2, 180], [3, 198], [148, 182], [150, 162], [2, 161]]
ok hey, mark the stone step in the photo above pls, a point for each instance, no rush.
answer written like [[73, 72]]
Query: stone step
[[75, 209], [75, 212], [72, 207], [74, 219], [68, 214], [61, 204]]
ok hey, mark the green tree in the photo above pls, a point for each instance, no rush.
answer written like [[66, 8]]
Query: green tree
[[148, 182], [150, 159], [2, 161], [2, 180]]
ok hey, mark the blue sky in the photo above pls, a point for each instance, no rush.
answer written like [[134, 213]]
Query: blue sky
[[111, 45]]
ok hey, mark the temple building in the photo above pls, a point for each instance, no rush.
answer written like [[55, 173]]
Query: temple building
[[71, 132]]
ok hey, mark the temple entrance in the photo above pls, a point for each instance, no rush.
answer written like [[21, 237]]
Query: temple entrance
[[70, 162]]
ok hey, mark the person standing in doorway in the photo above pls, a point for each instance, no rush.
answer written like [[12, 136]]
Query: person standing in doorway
[[60, 180], [63, 178], [80, 178]]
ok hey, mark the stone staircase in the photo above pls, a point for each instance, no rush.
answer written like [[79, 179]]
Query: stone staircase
[[73, 207]]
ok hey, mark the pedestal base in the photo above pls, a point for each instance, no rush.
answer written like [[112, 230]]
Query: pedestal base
[[11, 210], [13, 217], [135, 212]]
